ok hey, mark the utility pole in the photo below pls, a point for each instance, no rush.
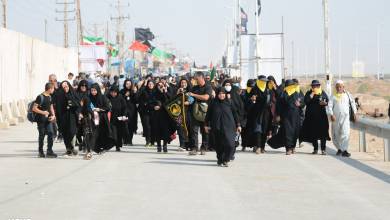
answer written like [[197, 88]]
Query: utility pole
[[46, 30], [66, 19], [292, 60], [326, 47], [4, 4], [120, 35], [79, 23], [378, 44]]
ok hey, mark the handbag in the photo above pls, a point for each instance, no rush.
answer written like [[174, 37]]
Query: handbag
[[352, 115], [199, 111]]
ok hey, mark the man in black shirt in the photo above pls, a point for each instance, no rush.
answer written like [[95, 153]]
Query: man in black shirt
[[202, 93], [43, 107]]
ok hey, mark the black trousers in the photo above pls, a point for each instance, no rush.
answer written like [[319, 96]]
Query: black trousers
[[195, 127], [68, 138], [261, 139], [45, 128], [323, 144], [222, 148], [147, 127]]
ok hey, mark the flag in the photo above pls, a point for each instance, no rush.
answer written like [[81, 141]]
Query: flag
[[139, 46], [177, 111], [162, 55], [92, 41], [259, 9], [143, 34], [244, 22], [113, 50], [212, 74]]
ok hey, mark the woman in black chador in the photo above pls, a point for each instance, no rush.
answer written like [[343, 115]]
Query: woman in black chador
[[82, 94], [129, 93], [118, 117], [259, 121], [288, 114], [68, 115], [145, 96], [163, 126], [223, 122], [100, 106], [316, 125]]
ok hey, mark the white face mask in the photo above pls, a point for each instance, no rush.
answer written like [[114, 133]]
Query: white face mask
[[228, 88]]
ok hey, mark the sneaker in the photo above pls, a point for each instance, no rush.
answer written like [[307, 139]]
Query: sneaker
[[262, 151], [243, 149], [346, 154], [68, 153], [315, 152], [118, 149], [339, 152], [193, 153], [202, 152], [51, 154], [225, 164], [165, 149], [74, 152], [41, 154], [88, 156], [323, 152], [289, 152], [180, 149], [258, 151]]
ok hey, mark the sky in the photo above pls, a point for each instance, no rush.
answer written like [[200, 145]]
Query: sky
[[198, 27]]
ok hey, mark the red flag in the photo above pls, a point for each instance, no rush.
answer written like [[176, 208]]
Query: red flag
[[211, 65], [139, 46]]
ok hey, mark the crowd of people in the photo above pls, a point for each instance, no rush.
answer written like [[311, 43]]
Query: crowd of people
[[98, 115]]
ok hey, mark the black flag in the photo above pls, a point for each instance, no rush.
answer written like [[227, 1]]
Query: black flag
[[143, 34], [177, 111], [259, 9]]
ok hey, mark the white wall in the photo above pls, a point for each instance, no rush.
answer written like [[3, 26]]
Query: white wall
[[25, 64]]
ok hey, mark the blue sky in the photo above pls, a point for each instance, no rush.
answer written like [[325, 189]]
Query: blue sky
[[198, 27]]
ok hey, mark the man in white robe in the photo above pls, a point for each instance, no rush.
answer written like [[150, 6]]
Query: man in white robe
[[338, 110]]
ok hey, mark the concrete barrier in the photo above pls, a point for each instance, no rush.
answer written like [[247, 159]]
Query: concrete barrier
[[3, 123], [379, 129], [8, 116], [16, 111]]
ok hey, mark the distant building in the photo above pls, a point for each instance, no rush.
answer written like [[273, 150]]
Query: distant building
[[358, 69]]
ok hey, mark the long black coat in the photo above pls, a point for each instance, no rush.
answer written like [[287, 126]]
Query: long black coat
[[131, 107], [316, 124], [68, 108], [290, 121], [259, 113], [162, 125], [103, 136], [118, 109], [222, 119]]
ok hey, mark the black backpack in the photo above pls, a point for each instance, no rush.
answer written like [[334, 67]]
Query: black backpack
[[31, 115]]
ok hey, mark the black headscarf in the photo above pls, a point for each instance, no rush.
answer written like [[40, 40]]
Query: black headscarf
[[97, 100]]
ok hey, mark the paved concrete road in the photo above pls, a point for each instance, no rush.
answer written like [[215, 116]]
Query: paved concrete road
[[141, 184]]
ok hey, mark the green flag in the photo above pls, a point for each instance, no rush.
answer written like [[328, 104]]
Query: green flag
[[160, 54], [212, 74]]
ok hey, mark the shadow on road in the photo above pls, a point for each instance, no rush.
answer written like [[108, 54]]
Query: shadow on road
[[362, 167]]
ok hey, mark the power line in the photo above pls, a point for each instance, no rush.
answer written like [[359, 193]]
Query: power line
[[120, 36], [66, 19], [4, 6]]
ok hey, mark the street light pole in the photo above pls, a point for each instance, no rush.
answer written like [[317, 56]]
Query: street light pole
[[326, 47]]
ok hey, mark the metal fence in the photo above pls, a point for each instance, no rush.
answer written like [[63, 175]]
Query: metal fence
[[376, 128]]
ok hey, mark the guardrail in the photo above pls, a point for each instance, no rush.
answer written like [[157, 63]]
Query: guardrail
[[376, 128]]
